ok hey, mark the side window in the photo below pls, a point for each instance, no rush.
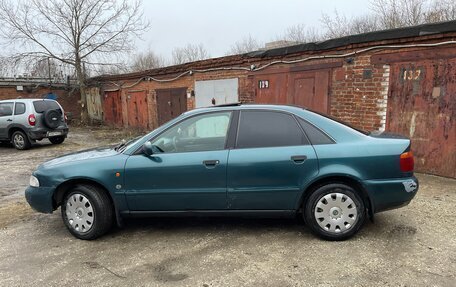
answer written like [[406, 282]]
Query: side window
[[200, 133], [315, 135], [6, 109], [19, 109], [268, 129]]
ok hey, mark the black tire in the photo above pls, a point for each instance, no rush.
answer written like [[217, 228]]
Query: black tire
[[52, 118], [341, 219], [20, 140], [100, 204], [57, 140]]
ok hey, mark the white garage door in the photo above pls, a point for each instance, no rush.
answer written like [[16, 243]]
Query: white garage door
[[216, 92]]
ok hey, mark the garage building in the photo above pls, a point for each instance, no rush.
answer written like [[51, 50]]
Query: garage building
[[401, 81]]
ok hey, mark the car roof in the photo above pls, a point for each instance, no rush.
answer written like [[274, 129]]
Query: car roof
[[25, 100], [239, 106]]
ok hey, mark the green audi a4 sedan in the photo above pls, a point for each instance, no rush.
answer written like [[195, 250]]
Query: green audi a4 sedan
[[243, 160]]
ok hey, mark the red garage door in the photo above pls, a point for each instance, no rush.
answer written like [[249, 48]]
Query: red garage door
[[308, 89], [112, 108], [137, 109], [422, 106]]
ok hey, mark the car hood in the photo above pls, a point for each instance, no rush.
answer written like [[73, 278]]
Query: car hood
[[94, 153]]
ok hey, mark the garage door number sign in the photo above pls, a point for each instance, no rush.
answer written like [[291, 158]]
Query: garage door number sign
[[263, 84]]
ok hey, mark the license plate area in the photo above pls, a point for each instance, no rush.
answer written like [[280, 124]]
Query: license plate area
[[53, 134]]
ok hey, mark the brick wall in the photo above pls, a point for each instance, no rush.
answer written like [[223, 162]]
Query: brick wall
[[357, 93]]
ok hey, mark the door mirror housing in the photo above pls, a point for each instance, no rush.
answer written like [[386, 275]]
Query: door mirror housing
[[147, 148]]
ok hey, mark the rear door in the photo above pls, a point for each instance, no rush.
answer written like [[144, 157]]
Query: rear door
[[271, 162]]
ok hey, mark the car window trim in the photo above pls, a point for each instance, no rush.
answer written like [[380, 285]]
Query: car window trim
[[322, 131], [274, 111], [139, 152]]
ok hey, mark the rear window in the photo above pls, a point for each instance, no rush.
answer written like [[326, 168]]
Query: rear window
[[42, 106]]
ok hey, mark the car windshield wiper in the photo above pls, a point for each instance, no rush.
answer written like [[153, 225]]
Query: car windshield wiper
[[120, 147]]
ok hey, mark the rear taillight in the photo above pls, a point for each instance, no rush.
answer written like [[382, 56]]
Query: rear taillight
[[406, 161], [32, 120]]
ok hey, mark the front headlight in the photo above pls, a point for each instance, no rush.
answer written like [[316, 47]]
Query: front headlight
[[34, 181]]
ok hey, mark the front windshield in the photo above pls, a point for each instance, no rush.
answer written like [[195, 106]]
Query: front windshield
[[126, 144]]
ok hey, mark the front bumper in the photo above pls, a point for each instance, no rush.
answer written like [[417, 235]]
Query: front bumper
[[41, 133], [40, 198], [391, 193]]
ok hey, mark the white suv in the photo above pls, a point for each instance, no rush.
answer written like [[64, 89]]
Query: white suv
[[23, 121]]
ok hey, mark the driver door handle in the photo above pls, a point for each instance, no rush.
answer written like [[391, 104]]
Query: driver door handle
[[211, 163]]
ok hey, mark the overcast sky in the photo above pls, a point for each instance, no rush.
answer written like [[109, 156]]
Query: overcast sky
[[217, 24]]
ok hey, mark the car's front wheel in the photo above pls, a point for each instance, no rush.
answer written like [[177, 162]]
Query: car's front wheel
[[87, 212], [334, 212]]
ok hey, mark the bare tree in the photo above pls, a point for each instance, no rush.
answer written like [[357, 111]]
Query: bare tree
[[189, 53], [339, 25], [79, 33], [441, 10], [301, 33], [247, 44], [147, 60], [390, 14]]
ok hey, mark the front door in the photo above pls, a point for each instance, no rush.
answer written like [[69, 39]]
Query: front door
[[6, 118], [187, 170], [271, 163]]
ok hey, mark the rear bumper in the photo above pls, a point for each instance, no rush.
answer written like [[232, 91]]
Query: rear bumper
[[40, 198], [391, 193], [40, 133]]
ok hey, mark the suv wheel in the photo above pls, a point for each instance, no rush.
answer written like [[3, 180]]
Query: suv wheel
[[334, 212], [87, 212], [20, 140], [57, 140]]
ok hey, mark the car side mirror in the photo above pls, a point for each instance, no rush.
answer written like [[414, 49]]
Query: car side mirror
[[147, 148]]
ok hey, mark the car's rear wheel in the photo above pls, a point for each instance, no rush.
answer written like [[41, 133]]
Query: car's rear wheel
[[87, 212], [20, 140], [334, 211], [57, 140]]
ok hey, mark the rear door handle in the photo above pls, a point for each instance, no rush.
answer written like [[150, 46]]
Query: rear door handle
[[211, 163], [9, 120], [299, 158]]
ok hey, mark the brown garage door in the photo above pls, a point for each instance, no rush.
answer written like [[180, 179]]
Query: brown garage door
[[112, 108], [170, 104], [308, 89], [137, 109], [422, 106]]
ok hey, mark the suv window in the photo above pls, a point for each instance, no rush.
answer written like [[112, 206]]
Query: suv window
[[6, 109], [315, 135], [19, 109], [269, 129], [42, 106], [200, 133]]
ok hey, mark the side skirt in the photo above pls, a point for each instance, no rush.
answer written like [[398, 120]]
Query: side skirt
[[212, 213]]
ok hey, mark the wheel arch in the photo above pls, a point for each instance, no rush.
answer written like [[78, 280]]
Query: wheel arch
[[351, 181], [14, 128], [65, 186]]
